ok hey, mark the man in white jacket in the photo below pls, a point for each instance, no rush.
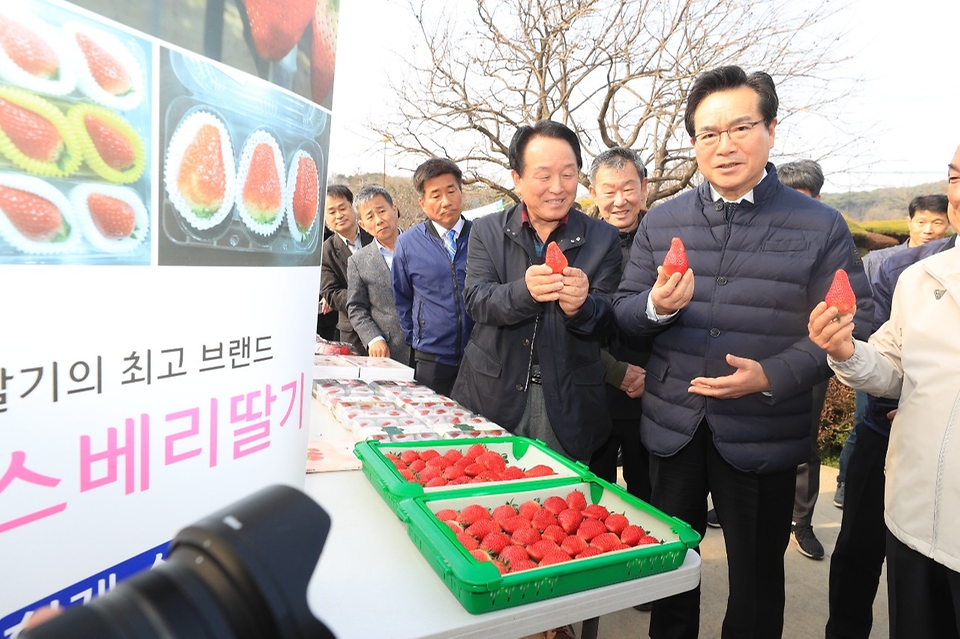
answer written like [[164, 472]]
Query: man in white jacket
[[911, 357]]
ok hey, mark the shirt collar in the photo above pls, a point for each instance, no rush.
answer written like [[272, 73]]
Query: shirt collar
[[457, 228], [525, 220], [748, 196], [356, 240]]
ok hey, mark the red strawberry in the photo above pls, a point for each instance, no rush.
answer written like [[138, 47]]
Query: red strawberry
[[428, 473], [512, 473], [439, 462], [500, 566], [428, 454], [469, 542], [554, 557], [495, 542], [105, 69], [555, 504], [589, 551], [409, 456], [28, 50], [513, 554], [277, 25], [453, 455], [529, 508], [596, 511], [554, 533], [573, 545], [590, 528], [454, 526], [33, 134], [202, 179], [555, 259], [676, 259], [525, 537], [475, 469], [606, 542], [447, 514], [417, 465], [480, 555], [473, 513], [452, 473], [492, 461], [462, 479], [540, 470], [840, 296], [323, 48], [475, 451], [503, 512], [36, 218], [112, 146], [616, 522], [262, 192], [522, 565], [540, 549], [515, 523], [570, 519], [576, 500], [406, 473], [113, 218], [647, 540], [435, 482], [543, 518], [631, 535]]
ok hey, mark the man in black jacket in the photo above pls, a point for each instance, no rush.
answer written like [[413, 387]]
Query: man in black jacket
[[727, 402], [533, 360]]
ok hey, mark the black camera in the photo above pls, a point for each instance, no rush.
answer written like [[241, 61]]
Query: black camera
[[239, 573]]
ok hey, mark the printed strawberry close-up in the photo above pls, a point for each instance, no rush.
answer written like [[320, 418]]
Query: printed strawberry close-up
[[34, 135], [28, 50], [323, 48], [277, 25], [35, 217], [202, 178], [106, 70]]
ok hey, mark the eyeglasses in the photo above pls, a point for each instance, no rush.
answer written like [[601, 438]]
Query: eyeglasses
[[738, 133]]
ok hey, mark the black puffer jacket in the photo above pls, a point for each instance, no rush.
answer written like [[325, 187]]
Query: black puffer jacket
[[493, 376], [758, 276]]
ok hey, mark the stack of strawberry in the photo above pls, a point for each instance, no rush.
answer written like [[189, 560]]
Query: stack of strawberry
[[431, 469], [536, 534]]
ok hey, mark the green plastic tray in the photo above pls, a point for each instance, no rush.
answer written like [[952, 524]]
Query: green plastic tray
[[480, 587], [523, 452]]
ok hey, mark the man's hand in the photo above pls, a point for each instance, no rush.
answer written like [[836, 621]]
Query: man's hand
[[671, 293], [748, 378], [634, 381], [831, 332], [324, 307], [542, 284], [378, 348], [576, 285]]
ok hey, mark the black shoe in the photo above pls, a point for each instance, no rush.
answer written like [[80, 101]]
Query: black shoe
[[807, 542], [838, 496], [712, 519]]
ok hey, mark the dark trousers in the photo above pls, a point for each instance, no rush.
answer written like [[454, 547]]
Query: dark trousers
[[857, 559], [924, 596], [754, 511], [808, 473], [434, 375], [624, 438]]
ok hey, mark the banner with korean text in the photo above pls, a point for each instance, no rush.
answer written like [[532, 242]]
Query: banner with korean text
[[160, 246]]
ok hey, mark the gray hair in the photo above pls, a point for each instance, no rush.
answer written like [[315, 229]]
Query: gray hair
[[802, 174], [617, 158], [369, 192]]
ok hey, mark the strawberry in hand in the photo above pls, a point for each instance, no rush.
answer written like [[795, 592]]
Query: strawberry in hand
[[555, 259], [676, 259], [840, 296]]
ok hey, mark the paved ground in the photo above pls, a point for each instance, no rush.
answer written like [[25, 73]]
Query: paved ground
[[806, 589]]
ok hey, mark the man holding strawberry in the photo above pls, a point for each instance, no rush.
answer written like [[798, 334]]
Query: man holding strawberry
[[727, 404]]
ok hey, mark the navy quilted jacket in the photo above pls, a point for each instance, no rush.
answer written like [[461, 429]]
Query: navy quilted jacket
[[758, 276]]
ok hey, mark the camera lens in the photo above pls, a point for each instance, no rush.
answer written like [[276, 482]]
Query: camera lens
[[241, 573]]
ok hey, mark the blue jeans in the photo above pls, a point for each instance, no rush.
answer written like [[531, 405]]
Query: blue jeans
[[860, 410]]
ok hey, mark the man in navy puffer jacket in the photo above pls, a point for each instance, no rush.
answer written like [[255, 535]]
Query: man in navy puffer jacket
[[728, 387]]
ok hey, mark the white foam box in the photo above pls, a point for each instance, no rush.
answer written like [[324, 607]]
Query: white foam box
[[335, 367], [380, 368]]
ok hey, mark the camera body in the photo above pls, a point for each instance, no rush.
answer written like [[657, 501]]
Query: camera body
[[240, 573]]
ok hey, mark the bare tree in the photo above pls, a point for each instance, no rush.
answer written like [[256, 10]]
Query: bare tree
[[616, 71]]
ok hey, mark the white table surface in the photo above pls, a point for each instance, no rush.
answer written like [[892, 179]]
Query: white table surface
[[372, 581]]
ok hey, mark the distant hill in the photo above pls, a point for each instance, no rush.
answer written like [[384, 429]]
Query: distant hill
[[879, 204]]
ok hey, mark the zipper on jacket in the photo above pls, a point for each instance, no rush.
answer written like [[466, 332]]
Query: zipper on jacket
[[457, 300], [941, 463], [533, 343]]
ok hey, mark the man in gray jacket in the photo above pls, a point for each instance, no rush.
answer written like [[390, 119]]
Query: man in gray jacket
[[727, 402]]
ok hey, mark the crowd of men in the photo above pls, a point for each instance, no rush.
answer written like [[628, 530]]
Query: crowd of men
[[707, 382]]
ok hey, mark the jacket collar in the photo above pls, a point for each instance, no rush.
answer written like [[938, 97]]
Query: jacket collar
[[572, 235], [763, 191]]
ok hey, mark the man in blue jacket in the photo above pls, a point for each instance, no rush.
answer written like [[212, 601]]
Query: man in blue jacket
[[533, 361], [727, 402], [429, 268]]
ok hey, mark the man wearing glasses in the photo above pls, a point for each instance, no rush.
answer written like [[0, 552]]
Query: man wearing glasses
[[727, 402]]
